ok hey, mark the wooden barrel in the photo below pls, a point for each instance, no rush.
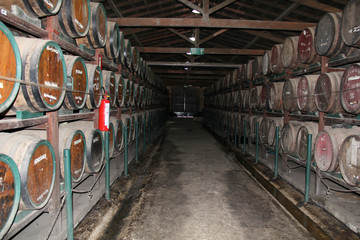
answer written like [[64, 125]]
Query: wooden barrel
[[350, 89], [243, 75], [135, 59], [34, 8], [118, 133], [112, 138], [97, 35], [42, 63], [302, 139], [288, 137], [276, 62], [121, 90], [248, 126], [77, 81], [275, 96], [74, 18], [327, 95], [266, 63], [246, 100], [271, 132], [95, 79], [109, 83], [249, 71], [127, 54], [327, 147], [121, 58], [289, 94], [289, 53], [112, 47], [305, 93], [126, 119], [254, 100], [10, 192], [35, 159], [94, 145], [234, 77], [141, 96], [10, 60], [263, 97], [73, 139], [350, 24], [137, 95], [257, 67], [127, 92], [253, 121], [131, 94], [349, 160], [306, 46], [264, 130], [328, 41]]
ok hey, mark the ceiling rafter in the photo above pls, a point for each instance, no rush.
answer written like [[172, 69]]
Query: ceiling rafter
[[318, 6], [226, 51]]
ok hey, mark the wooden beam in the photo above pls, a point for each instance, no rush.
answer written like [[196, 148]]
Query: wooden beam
[[226, 51], [220, 6], [191, 5], [180, 35], [184, 76], [212, 36], [196, 64], [265, 35], [192, 72], [211, 23], [318, 6]]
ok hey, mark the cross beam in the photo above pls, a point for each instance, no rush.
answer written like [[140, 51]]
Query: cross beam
[[226, 51]]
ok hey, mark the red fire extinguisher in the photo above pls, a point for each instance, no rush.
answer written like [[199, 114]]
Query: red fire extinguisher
[[104, 113]]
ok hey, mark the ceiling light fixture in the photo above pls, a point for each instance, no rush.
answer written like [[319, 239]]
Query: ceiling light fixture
[[192, 38], [188, 53], [195, 11]]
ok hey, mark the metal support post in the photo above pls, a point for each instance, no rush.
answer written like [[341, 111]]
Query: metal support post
[[308, 168], [257, 144], [244, 148], [68, 189], [137, 141], [107, 167], [126, 153], [276, 152]]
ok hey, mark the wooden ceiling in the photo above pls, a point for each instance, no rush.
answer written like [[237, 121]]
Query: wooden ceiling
[[230, 31]]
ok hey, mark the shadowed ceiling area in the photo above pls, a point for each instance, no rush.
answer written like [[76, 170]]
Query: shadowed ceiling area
[[231, 32]]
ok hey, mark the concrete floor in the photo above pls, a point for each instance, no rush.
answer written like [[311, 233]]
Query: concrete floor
[[197, 191]]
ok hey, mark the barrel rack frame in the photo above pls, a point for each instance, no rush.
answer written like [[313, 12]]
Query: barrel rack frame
[[325, 65], [50, 122]]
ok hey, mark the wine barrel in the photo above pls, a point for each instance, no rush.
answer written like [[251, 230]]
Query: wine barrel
[[306, 46], [349, 160], [34, 8], [253, 121], [288, 137], [327, 95], [94, 145], [247, 125], [137, 95], [121, 90], [126, 119], [42, 63], [131, 94], [255, 95], [112, 47], [289, 53], [112, 138], [35, 159], [73, 139], [74, 18], [10, 62], [305, 93], [264, 130], [234, 78], [328, 41], [109, 83], [350, 24], [350, 89], [257, 67], [127, 86], [135, 59], [276, 62], [327, 147], [263, 97], [266, 63], [141, 96], [289, 94], [97, 34], [302, 139], [95, 79], [10, 193], [271, 132], [118, 133], [121, 58], [77, 82], [243, 75], [275, 96], [249, 71], [127, 54]]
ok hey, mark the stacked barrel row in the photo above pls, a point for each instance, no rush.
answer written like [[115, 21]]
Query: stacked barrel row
[[27, 159], [334, 149]]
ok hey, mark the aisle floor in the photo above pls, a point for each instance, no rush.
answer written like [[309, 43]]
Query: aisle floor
[[198, 191]]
